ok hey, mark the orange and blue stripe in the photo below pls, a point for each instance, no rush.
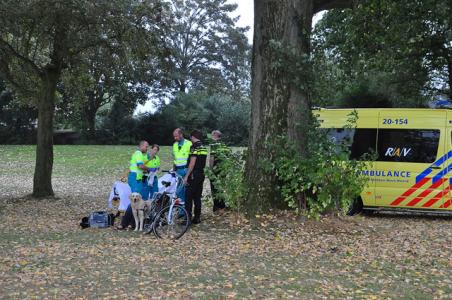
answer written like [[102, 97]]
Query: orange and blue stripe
[[437, 181]]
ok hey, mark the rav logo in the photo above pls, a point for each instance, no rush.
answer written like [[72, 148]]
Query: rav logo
[[397, 152]]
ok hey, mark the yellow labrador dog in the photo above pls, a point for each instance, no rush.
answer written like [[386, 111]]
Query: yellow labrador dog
[[139, 206]]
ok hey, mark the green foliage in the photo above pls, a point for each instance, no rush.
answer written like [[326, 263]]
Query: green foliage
[[198, 110], [398, 50], [203, 50], [324, 179], [128, 51], [229, 178], [231, 117], [32, 39], [294, 67], [364, 94], [118, 126], [110, 73], [88, 49], [16, 120]]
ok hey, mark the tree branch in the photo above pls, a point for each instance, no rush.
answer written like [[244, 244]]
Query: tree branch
[[10, 49], [320, 5], [6, 72]]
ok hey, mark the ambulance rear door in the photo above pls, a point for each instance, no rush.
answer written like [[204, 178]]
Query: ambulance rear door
[[447, 199], [411, 164]]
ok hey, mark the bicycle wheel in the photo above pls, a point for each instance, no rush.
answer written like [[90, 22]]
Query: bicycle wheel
[[171, 222], [149, 220], [148, 224]]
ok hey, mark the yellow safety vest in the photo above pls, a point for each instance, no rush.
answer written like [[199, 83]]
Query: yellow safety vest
[[219, 149], [181, 154], [153, 164], [137, 158]]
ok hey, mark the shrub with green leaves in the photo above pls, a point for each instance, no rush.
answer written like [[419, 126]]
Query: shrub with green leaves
[[326, 178], [229, 179]]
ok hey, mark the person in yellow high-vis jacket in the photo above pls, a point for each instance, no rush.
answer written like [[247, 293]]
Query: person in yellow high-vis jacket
[[137, 167], [181, 152], [150, 181], [135, 179]]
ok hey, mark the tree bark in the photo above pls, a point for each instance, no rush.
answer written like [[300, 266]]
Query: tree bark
[[89, 115], [273, 94], [90, 119], [449, 73], [280, 104], [299, 106], [42, 183]]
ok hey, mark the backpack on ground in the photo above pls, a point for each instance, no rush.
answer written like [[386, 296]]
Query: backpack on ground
[[98, 219]]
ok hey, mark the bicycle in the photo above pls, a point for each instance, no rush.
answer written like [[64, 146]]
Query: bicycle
[[167, 217]]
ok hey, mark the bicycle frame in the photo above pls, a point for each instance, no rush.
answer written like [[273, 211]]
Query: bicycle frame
[[173, 196]]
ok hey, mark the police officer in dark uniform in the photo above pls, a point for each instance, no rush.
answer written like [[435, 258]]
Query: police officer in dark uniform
[[194, 179], [218, 153]]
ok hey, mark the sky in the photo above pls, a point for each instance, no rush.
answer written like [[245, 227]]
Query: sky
[[245, 10]]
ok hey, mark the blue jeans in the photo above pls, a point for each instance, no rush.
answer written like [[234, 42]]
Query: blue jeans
[[148, 191], [181, 193]]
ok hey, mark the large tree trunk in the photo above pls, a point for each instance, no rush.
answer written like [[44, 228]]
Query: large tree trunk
[[449, 72], [280, 103], [276, 100], [89, 116], [42, 183], [91, 124]]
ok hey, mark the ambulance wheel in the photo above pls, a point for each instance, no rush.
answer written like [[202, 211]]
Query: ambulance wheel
[[356, 207]]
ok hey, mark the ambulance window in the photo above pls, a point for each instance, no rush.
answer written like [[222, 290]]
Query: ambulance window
[[364, 142], [408, 145], [359, 140], [341, 135]]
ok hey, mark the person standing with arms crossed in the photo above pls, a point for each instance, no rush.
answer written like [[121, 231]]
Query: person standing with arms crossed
[[194, 179], [181, 152]]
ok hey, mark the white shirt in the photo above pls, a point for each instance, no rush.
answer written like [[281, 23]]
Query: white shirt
[[123, 191]]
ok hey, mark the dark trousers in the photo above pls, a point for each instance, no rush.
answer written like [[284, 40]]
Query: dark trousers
[[128, 219], [217, 202], [193, 193]]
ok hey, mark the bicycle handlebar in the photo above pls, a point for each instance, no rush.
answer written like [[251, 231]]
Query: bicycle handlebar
[[172, 172]]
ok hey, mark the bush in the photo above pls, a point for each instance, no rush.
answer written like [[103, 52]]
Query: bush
[[325, 179], [229, 179], [197, 110], [17, 121]]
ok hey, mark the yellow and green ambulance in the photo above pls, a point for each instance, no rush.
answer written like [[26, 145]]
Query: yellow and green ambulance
[[413, 150]]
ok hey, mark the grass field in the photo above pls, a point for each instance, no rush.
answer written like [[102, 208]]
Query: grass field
[[44, 254]]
